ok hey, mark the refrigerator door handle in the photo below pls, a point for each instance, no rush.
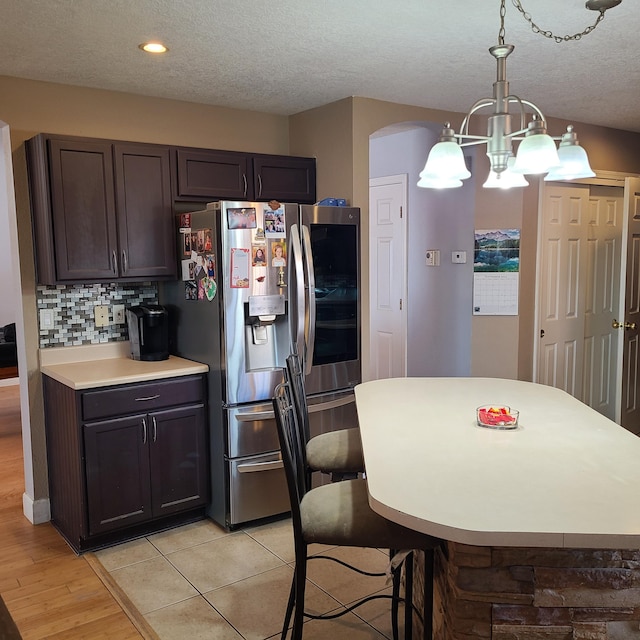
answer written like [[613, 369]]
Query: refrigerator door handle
[[296, 321], [310, 312]]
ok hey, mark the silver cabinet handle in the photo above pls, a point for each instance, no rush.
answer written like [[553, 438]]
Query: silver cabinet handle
[[114, 266], [147, 398], [125, 264], [244, 178], [254, 467], [155, 428], [144, 431], [259, 185]]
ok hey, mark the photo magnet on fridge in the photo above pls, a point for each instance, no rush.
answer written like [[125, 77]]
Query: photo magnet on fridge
[[210, 265], [191, 290], [274, 222]]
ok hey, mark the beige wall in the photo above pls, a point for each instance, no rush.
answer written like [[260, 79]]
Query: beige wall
[[326, 134], [32, 107]]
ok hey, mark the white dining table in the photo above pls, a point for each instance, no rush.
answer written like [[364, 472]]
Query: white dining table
[[567, 476]]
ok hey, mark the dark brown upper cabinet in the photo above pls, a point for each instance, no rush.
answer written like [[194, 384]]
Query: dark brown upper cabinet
[[102, 210], [206, 175], [284, 178], [213, 175]]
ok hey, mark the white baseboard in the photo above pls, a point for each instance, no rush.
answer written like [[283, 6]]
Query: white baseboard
[[9, 382], [36, 511]]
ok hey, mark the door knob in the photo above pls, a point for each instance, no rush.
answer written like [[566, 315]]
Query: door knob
[[623, 325]]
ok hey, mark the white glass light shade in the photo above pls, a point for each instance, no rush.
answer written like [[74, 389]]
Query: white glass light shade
[[536, 154], [446, 161], [506, 179], [574, 164], [435, 182]]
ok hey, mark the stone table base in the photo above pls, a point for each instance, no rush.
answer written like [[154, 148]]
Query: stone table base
[[514, 593]]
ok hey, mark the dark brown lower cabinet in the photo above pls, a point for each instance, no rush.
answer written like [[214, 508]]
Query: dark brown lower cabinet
[[116, 470]]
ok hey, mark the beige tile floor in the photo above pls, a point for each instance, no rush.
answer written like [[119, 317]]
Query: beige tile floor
[[201, 582]]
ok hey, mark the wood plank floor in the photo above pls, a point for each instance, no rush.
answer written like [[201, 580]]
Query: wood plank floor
[[50, 592]]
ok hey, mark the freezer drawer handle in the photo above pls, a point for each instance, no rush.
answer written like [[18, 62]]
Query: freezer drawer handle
[[260, 466], [255, 415], [313, 408], [331, 404]]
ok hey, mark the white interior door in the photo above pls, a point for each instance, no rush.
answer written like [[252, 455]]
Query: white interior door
[[561, 308], [601, 361], [579, 293], [630, 385], [388, 276]]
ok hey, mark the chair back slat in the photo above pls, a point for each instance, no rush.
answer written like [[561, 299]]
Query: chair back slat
[[291, 447], [296, 379]]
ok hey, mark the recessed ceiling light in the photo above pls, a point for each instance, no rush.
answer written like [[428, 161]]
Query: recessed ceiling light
[[153, 47]]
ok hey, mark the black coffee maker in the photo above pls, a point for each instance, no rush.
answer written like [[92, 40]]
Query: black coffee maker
[[148, 332]]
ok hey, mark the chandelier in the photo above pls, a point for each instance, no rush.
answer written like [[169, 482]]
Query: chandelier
[[536, 152]]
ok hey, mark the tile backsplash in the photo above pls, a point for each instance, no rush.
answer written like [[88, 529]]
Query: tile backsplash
[[72, 307]]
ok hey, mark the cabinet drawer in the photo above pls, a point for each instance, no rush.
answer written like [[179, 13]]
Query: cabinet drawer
[[143, 397]]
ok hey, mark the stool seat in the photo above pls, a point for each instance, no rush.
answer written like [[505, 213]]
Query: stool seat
[[339, 513], [336, 451]]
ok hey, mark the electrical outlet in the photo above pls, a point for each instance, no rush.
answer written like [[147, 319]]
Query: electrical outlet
[[459, 257], [118, 314], [101, 315]]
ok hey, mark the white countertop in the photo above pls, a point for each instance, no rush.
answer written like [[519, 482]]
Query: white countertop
[[566, 477], [90, 366]]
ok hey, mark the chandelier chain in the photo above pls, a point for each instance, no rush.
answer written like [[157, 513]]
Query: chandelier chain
[[548, 34], [503, 11]]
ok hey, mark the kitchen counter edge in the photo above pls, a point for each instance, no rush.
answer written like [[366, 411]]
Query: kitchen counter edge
[[107, 372]]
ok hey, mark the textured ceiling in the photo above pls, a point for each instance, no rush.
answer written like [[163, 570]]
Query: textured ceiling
[[286, 56]]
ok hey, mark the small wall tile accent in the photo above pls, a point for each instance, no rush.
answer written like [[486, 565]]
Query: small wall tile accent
[[72, 306]]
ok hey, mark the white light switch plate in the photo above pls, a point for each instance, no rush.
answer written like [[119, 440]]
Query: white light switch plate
[[432, 257], [46, 319]]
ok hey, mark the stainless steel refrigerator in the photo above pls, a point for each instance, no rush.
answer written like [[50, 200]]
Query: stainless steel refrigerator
[[261, 279]]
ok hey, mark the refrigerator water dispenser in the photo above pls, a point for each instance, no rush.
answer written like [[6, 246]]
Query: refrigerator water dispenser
[[266, 332]]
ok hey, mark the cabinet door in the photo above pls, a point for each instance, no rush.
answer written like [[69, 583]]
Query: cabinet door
[[144, 212], [83, 209], [179, 477], [213, 175], [117, 467], [285, 178]]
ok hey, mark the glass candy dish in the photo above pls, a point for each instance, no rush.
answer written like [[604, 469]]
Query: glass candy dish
[[497, 416]]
